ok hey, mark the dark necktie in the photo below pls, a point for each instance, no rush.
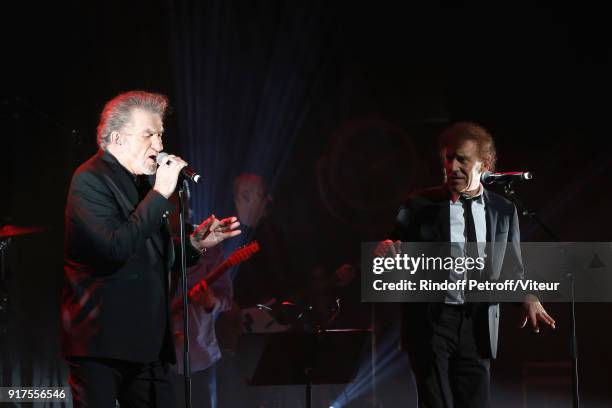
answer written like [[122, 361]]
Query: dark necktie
[[470, 227], [470, 232]]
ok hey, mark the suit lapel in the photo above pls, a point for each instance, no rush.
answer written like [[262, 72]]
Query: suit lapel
[[444, 218], [126, 191], [158, 239], [122, 184], [491, 217], [442, 197]]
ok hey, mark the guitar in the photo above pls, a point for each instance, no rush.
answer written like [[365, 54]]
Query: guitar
[[239, 255]]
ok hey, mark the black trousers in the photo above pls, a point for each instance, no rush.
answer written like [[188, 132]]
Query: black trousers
[[99, 382], [449, 370], [201, 388]]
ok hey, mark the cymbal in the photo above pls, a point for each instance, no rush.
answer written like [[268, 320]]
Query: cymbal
[[7, 231]]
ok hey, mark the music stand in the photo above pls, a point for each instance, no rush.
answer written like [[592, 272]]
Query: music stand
[[296, 358]]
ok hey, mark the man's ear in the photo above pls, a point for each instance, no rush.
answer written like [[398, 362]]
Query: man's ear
[[115, 138], [486, 166]]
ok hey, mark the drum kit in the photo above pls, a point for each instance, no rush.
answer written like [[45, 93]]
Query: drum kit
[[7, 233]]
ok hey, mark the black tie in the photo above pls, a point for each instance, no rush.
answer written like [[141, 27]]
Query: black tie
[[470, 231], [470, 228]]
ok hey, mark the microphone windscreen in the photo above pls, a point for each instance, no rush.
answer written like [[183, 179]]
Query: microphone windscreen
[[485, 177], [161, 158]]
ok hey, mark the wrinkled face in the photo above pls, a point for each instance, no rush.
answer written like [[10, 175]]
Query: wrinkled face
[[463, 167], [140, 142]]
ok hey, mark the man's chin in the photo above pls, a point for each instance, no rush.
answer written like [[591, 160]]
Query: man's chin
[[457, 186], [149, 171]]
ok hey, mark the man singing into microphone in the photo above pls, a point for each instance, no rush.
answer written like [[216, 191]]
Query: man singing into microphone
[[116, 332], [450, 343]]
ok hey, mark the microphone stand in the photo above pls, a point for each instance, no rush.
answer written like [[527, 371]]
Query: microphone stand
[[4, 301], [182, 236], [512, 196]]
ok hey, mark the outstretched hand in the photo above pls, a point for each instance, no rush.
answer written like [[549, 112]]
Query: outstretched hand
[[387, 248], [533, 312], [213, 231]]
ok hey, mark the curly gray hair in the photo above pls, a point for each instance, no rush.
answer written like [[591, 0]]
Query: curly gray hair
[[117, 112]]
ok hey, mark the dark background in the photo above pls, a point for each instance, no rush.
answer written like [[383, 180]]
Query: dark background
[[338, 107]]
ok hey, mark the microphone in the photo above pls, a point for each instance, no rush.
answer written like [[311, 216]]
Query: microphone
[[186, 171], [506, 177]]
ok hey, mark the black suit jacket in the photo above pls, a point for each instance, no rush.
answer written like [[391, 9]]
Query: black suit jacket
[[117, 261], [425, 217]]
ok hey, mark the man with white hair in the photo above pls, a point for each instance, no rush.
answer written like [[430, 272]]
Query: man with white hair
[[116, 329]]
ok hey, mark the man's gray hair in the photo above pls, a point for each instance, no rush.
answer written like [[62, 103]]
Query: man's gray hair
[[117, 112]]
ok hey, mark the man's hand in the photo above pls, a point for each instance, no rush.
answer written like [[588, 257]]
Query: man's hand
[[167, 175], [213, 231], [387, 248], [202, 295], [532, 311]]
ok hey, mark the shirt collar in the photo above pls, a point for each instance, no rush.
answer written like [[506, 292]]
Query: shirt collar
[[478, 197]]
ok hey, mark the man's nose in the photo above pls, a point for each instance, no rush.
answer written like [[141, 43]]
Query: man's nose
[[158, 144]]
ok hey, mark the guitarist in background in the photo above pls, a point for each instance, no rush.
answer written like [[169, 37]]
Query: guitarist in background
[[264, 279], [205, 304]]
